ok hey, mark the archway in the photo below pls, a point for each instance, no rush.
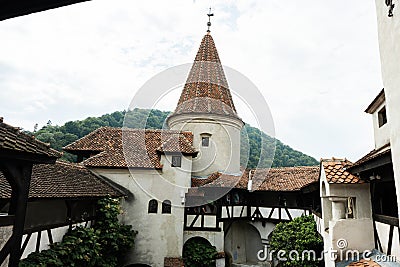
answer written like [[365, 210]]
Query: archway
[[243, 241]]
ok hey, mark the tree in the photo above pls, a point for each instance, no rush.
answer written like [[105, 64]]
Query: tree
[[256, 149], [297, 238]]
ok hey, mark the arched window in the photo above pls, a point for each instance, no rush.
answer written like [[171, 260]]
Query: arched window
[[153, 206], [166, 206]]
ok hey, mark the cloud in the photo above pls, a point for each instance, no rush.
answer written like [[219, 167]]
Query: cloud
[[316, 63]]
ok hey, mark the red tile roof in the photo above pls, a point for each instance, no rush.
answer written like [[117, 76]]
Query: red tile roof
[[364, 263], [336, 172], [134, 148], [274, 179], [206, 89], [376, 153], [285, 178], [12, 139], [62, 180]]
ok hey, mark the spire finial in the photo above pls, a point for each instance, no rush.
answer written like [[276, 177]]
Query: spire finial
[[209, 20]]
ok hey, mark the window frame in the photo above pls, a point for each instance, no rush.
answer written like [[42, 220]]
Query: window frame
[[178, 165], [382, 117], [152, 207], [166, 207], [207, 138]]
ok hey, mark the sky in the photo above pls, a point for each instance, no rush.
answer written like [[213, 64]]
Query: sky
[[316, 63]]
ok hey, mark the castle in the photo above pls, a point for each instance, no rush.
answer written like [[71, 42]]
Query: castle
[[187, 182]]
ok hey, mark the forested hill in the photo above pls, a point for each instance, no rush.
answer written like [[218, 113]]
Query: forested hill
[[256, 145]]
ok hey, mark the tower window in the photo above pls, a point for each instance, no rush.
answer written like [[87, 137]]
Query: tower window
[[176, 161], [166, 206], [382, 119], [153, 206], [205, 141]]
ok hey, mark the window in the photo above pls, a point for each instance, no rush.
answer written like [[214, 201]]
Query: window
[[166, 206], [350, 207], [176, 161], [153, 206], [205, 141], [382, 119]]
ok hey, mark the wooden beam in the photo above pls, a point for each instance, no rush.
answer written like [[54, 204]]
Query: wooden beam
[[378, 244], [28, 237], [389, 248], [209, 229], [38, 239], [194, 220], [372, 164], [18, 173], [288, 213], [7, 220], [5, 251], [386, 219]]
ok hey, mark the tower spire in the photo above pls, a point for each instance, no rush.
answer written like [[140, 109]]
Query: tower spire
[[209, 20], [206, 89]]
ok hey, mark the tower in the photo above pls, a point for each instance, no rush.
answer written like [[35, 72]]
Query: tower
[[206, 108]]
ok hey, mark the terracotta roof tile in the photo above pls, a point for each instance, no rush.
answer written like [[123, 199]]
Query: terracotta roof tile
[[376, 153], [62, 180], [364, 263], [285, 179], [11, 138], [206, 89], [336, 171], [274, 179], [134, 148]]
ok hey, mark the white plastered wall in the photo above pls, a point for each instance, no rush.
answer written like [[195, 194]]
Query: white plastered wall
[[223, 154], [357, 231], [159, 235], [389, 40], [381, 134]]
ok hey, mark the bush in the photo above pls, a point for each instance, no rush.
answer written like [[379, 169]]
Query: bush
[[102, 245], [298, 235], [199, 253]]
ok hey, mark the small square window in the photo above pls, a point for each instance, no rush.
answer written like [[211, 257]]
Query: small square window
[[176, 161], [382, 119], [205, 141]]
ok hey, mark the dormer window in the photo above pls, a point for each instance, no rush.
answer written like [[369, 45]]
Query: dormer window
[[382, 119], [176, 161]]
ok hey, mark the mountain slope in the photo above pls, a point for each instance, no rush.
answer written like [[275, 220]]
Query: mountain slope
[[255, 145]]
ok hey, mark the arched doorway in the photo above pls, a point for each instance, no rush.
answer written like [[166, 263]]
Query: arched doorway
[[242, 242]]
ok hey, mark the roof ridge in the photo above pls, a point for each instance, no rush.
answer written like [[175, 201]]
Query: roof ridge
[[29, 138], [285, 167], [71, 164]]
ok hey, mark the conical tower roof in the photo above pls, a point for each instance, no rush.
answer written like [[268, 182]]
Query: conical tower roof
[[206, 89]]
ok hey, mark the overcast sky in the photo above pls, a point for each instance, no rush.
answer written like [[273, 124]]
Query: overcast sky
[[315, 62]]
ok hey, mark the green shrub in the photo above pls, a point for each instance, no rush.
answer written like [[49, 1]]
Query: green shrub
[[198, 252], [102, 245], [297, 235]]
